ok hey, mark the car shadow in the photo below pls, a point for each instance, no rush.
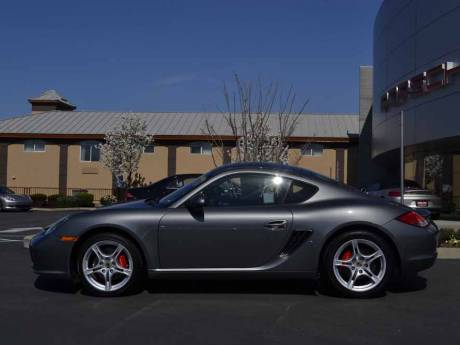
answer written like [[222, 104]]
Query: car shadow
[[51, 284], [225, 286], [409, 284]]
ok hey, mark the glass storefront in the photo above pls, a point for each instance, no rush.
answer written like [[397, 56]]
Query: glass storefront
[[436, 167]]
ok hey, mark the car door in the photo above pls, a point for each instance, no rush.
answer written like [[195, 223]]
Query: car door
[[241, 225]]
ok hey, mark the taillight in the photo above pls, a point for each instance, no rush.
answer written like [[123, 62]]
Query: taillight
[[129, 196], [394, 193], [413, 218]]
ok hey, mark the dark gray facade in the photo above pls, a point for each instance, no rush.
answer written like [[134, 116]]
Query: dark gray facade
[[416, 59]]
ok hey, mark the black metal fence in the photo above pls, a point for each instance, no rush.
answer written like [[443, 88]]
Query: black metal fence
[[98, 193]]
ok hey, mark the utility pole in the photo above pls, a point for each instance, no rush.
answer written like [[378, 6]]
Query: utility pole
[[402, 157]]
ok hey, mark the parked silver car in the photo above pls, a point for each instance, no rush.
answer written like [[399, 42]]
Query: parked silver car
[[415, 196], [11, 201]]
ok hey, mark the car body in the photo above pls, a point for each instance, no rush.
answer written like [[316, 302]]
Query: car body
[[257, 220], [11, 201], [159, 189], [415, 196]]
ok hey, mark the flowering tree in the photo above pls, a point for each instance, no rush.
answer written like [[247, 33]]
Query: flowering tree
[[261, 132], [433, 167], [123, 148]]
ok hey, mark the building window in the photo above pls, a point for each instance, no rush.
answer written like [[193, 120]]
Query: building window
[[201, 148], [150, 148], [34, 146], [313, 150], [90, 151]]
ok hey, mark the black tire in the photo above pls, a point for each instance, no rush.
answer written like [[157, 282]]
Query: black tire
[[329, 281], [135, 283]]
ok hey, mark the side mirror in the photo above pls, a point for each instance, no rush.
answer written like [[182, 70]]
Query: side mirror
[[197, 202]]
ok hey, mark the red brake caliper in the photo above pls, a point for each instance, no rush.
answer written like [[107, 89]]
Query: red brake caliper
[[122, 261], [346, 255]]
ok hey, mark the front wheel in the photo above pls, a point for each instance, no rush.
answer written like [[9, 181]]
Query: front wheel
[[110, 265], [358, 264]]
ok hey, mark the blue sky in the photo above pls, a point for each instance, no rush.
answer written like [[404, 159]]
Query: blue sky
[[175, 55]]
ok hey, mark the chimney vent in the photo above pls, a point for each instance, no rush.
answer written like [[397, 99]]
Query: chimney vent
[[50, 100]]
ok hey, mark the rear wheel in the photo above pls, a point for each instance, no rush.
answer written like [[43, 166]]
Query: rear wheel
[[358, 264], [110, 265]]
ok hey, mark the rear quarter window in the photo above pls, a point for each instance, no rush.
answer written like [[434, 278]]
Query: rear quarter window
[[299, 192]]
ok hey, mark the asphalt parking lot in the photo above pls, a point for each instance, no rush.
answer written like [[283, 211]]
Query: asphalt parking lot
[[37, 310]]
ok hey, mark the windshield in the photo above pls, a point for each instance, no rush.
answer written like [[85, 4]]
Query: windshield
[[5, 190], [176, 195]]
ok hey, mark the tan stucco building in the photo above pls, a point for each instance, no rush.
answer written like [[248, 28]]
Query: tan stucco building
[[54, 149]]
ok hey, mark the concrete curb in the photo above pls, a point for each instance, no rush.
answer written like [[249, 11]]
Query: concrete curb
[[26, 240], [447, 224], [63, 209], [448, 253]]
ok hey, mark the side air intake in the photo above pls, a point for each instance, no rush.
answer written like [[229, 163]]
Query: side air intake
[[294, 242]]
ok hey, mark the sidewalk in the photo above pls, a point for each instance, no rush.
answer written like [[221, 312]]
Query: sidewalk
[[49, 209], [448, 253], [448, 224]]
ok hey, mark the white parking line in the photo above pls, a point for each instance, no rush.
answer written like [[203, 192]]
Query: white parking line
[[8, 240], [14, 230]]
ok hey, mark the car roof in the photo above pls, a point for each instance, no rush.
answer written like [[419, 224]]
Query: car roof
[[272, 167]]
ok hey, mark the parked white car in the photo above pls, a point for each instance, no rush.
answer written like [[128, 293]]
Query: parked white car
[[415, 196], [11, 201]]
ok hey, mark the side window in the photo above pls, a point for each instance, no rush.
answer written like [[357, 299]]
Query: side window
[[174, 183], [240, 190], [34, 146], [312, 149], [299, 192], [89, 151], [150, 148], [256, 189], [188, 180], [201, 148]]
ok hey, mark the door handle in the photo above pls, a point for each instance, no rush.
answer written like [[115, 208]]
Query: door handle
[[276, 225]]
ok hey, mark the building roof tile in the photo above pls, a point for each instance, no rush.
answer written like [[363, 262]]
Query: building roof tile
[[96, 122]]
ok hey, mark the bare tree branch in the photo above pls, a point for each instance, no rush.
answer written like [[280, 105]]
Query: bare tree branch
[[260, 134]]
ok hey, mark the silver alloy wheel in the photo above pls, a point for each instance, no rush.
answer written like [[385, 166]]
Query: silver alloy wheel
[[359, 265], [107, 266]]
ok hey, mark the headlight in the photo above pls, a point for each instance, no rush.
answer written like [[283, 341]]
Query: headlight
[[10, 198], [54, 226]]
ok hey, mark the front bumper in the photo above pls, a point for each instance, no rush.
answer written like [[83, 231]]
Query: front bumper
[[50, 256], [17, 205]]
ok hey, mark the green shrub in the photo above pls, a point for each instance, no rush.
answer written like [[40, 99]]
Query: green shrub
[[108, 200], [38, 199], [52, 199], [66, 201], [84, 199]]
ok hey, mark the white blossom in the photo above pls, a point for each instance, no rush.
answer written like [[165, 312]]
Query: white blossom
[[123, 147]]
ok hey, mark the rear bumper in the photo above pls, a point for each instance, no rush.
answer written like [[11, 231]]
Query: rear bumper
[[433, 204], [417, 246], [420, 263]]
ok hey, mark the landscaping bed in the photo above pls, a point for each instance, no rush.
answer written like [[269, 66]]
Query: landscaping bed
[[449, 238]]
